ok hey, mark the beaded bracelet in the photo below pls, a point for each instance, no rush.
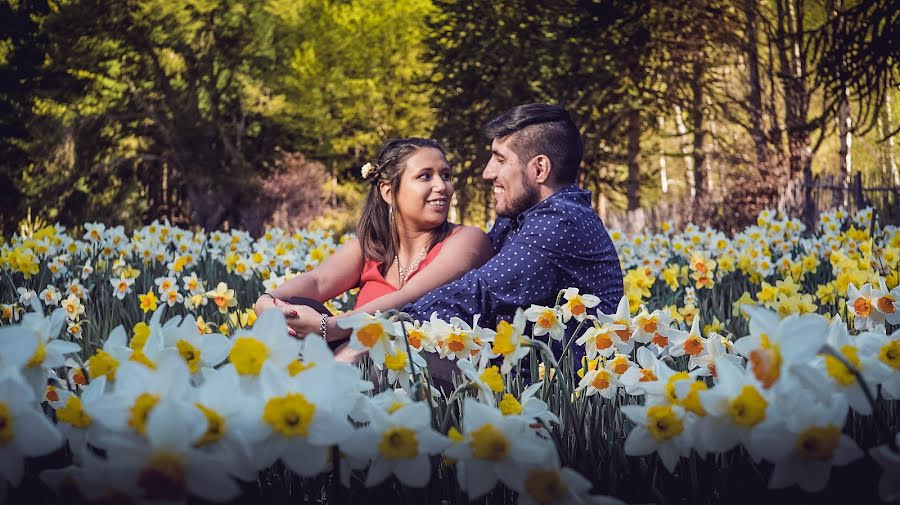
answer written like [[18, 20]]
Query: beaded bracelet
[[324, 326]]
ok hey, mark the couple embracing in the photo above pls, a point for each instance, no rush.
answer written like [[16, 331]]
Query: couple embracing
[[408, 256]]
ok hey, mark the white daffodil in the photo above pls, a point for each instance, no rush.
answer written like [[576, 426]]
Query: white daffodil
[[889, 460], [301, 420], [510, 341], [25, 296], [198, 350], [810, 443], [164, 284], [840, 377], [454, 340], [397, 443], [73, 307], [663, 429], [635, 377], [106, 360], [603, 339], [25, 431], [400, 364], [51, 296], [266, 342], [216, 400], [485, 377], [137, 390], [493, 446], [861, 303], [599, 381], [172, 297], [690, 343], [547, 320], [121, 286], [886, 352], [577, 304], [888, 302], [166, 466], [621, 317], [49, 351], [372, 334], [650, 328], [738, 408], [776, 347], [716, 349], [72, 418], [552, 485]]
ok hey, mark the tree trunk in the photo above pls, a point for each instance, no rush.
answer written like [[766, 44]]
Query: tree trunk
[[797, 198], [634, 150], [663, 173], [698, 152], [844, 124], [685, 149], [890, 164], [754, 95]]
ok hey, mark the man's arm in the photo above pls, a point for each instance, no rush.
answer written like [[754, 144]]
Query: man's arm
[[523, 272]]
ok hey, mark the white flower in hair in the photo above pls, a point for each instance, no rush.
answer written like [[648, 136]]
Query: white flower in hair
[[367, 170]]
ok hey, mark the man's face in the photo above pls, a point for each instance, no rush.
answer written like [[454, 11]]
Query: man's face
[[515, 190]]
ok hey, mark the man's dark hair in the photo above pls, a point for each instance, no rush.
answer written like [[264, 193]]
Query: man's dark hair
[[541, 128]]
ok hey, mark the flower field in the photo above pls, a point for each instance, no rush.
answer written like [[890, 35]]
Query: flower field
[[735, 369]]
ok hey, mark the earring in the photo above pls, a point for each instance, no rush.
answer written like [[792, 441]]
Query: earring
[[391, 212]]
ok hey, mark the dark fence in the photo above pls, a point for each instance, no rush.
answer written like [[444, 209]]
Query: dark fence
[[879, 191]]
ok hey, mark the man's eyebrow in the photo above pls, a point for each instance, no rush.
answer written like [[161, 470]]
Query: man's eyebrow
[[496, 153]]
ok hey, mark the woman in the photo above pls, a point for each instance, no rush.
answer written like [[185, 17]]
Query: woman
[[405, 247]]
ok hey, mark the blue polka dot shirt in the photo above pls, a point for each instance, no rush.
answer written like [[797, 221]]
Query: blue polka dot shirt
[[557, 244]]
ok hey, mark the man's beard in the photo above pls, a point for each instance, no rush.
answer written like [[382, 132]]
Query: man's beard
[[528, 199]]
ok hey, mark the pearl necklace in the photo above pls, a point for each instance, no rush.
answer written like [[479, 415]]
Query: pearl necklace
[[405, 272]]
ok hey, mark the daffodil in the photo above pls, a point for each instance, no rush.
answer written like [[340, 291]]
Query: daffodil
[[25, 432], [300, 420], [889, 461], [372, 334], [165, 465], [456, 339], [492, 447], [663, 429], [862, 304], [223, 297], [739, 409], [886, 352], [510, 341], [397, 443], [773, 348], [546, 320], [577, 304], [266, 342], [810, 443]]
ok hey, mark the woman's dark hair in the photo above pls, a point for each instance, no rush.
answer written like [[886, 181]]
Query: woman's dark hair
[[540, 128], [377, 230]]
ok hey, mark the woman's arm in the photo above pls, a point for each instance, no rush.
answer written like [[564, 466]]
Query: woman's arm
[[338, 273], [466, 250]]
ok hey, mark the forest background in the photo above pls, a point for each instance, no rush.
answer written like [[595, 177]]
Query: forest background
[[247, 114]]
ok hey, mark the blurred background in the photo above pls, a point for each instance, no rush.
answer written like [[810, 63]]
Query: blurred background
[[253, 113]]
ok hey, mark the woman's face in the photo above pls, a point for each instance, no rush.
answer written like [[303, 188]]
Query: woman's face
[[423, 196]]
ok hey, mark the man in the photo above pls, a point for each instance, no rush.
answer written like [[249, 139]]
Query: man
[[546, 237]]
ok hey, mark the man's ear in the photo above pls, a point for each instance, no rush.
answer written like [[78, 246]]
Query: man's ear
[[384, 188], [542, 169]]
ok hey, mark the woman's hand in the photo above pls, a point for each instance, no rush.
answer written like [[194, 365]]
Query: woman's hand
[[301, 320]]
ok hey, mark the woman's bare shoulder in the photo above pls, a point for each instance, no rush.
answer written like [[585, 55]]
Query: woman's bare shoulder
[[470, 239]]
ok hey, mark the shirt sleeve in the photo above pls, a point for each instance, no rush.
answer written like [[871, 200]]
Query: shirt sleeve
[[523, 272]]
